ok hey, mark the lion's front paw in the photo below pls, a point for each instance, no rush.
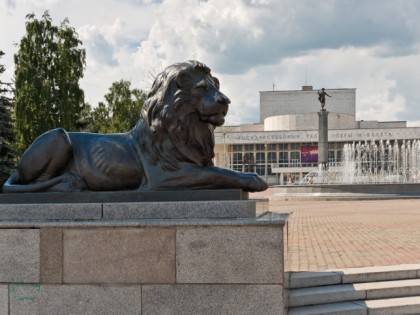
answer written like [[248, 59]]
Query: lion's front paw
[[256, 183], [74, 181]]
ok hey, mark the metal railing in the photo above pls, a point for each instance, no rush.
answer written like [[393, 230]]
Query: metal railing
[[297, 163]]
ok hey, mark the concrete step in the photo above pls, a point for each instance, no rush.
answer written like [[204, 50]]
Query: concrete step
[[351, 292], [344, 308], [352, 275], [405, 305], [309, 279]]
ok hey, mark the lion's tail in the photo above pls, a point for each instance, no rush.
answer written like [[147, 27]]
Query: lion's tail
[[10, 186]]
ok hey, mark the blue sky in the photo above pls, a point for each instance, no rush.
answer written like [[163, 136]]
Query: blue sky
[[250, 45]]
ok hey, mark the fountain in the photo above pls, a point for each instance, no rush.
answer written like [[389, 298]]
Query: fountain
[[371, 167], [372, 163]]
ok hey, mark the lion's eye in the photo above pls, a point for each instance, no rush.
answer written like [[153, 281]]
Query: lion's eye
[[202, 85]]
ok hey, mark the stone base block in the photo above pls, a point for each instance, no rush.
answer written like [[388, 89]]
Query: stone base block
[[226, 209], [148, 266], [74, 299], [4, 300], [19, 255], [212, 299]]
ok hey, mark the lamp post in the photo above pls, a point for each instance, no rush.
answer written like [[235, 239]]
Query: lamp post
[[224, 149]]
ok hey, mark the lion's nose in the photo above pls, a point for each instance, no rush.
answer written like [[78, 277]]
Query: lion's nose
[[223, 99]]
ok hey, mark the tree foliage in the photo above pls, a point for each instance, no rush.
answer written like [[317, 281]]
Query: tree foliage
[[124, 105], [48, 66], [100, 119], [120, 112], [7, 138]]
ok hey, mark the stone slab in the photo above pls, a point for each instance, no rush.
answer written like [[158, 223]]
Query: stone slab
[[4, 300], [271, 220], [235, 254], [345, 308], [124, 196], [19, 255], [406, 305], [180, 210], [74, 299], [324, 295], [389, 289], [307, 279], [120, 255], [58, 211], [212, 299], [379, 273], [51, 255]]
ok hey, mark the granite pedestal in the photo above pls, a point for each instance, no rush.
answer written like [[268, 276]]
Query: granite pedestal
[[166, 257]]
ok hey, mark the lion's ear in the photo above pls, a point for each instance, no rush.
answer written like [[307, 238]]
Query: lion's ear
[[183, 79], [216, 82]]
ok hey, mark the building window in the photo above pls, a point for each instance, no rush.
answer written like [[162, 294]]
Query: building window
[[295, 146], [260, 147], [237, 147], [260, 169], [339, 156], [272, 146], [271, 159], [284, 146], [249, 147], [260, 163], [237, 161], [284, 157], [295, 155], [331, 157], [260, 157], [294, 158], [237, 158], [249, 162]]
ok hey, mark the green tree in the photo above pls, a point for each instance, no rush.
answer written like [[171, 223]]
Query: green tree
[[48, 66], [7, 151], [101, 120], [124, 105], [119, 113]]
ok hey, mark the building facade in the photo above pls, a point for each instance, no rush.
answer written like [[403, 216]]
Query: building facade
[[282, 146]]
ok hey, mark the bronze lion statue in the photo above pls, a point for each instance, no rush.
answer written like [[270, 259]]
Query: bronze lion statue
[[171, 146]]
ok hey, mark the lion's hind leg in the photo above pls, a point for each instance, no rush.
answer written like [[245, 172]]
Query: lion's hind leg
[[45, 165], [46, 158]]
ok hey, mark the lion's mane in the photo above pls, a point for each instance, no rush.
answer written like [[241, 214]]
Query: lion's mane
[[170, 129]]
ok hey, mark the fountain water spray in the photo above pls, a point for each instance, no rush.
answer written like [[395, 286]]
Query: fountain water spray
[[370, 162]]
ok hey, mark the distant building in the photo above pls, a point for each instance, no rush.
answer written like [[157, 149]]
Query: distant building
[[283, 144]]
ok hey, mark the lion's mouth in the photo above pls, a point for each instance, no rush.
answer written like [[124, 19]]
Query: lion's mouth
[[215, 119]]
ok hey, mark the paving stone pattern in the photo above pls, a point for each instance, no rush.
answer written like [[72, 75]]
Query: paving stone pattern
[[323, 235]]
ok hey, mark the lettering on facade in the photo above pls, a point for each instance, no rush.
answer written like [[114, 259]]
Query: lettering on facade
[[264, 137], [379, 135], [312, 136], [341, 135]]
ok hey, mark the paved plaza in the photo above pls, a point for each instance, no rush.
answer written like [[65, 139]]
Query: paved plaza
[[324, 235]]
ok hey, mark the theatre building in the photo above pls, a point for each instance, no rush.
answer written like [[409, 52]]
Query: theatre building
[[283, 145]]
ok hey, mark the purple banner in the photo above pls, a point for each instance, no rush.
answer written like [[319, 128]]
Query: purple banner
[[309, 154]]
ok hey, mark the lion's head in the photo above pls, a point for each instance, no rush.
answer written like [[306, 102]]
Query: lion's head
[[180, 114]]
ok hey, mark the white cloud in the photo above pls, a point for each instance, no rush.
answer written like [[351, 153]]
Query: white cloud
[[371, 45]]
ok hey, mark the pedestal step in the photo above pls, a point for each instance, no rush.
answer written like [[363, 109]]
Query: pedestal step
[[373, 290], [405, 305]]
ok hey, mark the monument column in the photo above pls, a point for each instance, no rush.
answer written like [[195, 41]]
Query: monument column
[[323, 139], [323, 131]]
